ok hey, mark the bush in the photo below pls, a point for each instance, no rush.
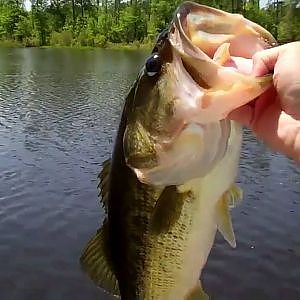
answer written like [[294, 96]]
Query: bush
[[55, 38], [31, 42], [63, 38], [100, 41], [82, 39], [10, 44], [66, 38]]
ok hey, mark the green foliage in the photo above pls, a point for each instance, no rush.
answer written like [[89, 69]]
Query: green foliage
[[9, 18], [83, 39], [289, 26], [63, 38], [163, 11], [23, 28], [100, 41], [111, 22]]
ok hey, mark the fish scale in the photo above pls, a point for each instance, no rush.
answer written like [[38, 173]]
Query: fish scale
[[165, 255]]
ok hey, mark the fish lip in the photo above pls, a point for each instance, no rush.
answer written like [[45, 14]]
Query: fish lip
[[265, 35], [180, 16], [184, 9]]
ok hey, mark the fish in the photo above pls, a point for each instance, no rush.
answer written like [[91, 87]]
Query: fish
[[169, 185]]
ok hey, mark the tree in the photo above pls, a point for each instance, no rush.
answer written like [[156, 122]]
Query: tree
[[96, 22]]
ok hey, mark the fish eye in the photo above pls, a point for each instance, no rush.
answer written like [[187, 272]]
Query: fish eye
[[153, 65]]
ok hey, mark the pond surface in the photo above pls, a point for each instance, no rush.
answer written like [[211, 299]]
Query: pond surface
[[59, 111]]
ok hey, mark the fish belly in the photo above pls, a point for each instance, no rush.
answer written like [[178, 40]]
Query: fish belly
[[207, 191]]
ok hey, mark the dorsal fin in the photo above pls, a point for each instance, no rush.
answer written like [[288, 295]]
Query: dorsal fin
[[103, 184], [95, 262]]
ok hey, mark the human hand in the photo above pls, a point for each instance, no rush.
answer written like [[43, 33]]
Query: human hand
[[274, 117]]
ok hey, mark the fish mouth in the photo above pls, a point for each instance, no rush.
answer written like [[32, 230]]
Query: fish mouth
[[206, 28], [198, 34]]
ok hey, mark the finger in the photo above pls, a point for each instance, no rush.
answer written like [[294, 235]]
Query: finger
[[283, 62], [290, 100], [249, 114], [265, 60], [262, 103], [242, 115], [287, 79]]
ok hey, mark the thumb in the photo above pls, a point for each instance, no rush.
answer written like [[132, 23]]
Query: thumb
[[264, 61], [282, 61]]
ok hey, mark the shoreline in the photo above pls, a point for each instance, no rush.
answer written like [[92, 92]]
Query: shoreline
[[109, 46]]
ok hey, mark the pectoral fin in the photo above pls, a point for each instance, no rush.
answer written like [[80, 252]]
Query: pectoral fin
[[224, 223], [168, 209], [197, 294], [95, 262], [234, 196]]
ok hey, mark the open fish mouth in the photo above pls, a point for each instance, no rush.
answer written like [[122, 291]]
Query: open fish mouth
[[216, 50], [202, 35], [207, 28]]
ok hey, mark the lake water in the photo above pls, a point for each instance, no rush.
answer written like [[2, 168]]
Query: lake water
[[59, 111]]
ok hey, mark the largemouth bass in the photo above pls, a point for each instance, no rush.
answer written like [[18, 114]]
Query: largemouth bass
[[169, 184]]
